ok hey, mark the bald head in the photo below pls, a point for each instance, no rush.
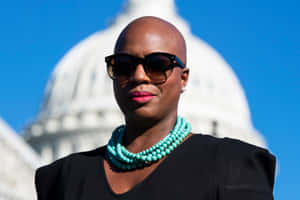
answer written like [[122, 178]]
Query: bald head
[[151, 34], [141, 38]]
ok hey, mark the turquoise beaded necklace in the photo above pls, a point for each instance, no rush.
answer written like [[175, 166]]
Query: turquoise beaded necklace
[[126, 160]]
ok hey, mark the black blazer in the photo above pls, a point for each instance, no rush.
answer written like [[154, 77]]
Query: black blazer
[[203, 167]]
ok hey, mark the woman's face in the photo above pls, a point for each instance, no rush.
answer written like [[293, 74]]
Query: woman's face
[[138, 98]]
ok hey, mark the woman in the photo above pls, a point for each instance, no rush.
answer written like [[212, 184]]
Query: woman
[[155, 156]]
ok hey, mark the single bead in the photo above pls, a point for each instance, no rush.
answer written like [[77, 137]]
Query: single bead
[[149, 158], [167, 151], [154, 158]]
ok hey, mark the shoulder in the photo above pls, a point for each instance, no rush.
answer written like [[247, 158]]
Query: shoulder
[[228, 148], [52, 177], [199, 140], [238, 153], [76, 159], [238, 162], [231, 144], [245, 170]]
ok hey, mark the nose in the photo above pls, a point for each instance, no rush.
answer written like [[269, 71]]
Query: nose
[[140, 75]]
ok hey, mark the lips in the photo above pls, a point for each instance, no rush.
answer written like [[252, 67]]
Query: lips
[[141, 96]]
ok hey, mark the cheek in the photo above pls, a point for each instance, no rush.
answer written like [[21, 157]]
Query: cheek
[[117, 93], [171, 91]]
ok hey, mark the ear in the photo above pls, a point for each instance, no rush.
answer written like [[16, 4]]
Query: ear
[[184, 77]]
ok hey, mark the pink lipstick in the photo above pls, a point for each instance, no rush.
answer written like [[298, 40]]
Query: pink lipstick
[[141, 97]]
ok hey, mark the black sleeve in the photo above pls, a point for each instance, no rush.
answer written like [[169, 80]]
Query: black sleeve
[[247, 171], [48, 181]]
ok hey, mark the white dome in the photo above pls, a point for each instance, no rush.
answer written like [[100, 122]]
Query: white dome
[[79, 93]]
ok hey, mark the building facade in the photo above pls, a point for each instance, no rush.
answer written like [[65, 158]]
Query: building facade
[[18, 162]]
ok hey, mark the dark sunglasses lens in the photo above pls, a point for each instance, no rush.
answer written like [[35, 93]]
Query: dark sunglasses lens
[[122, 65], [158, 67]]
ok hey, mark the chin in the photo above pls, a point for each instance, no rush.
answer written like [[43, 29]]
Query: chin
[[142, 113]]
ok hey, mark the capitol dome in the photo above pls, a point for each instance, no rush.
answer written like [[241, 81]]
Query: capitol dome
[[79, 111]]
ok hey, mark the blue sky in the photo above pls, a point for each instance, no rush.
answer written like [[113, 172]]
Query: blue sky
[[259, 39]]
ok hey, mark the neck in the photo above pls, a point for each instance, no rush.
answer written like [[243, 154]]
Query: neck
[[142, 134]]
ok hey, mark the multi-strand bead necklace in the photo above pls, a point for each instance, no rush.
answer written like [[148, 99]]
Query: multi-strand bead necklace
[[126, 160]]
